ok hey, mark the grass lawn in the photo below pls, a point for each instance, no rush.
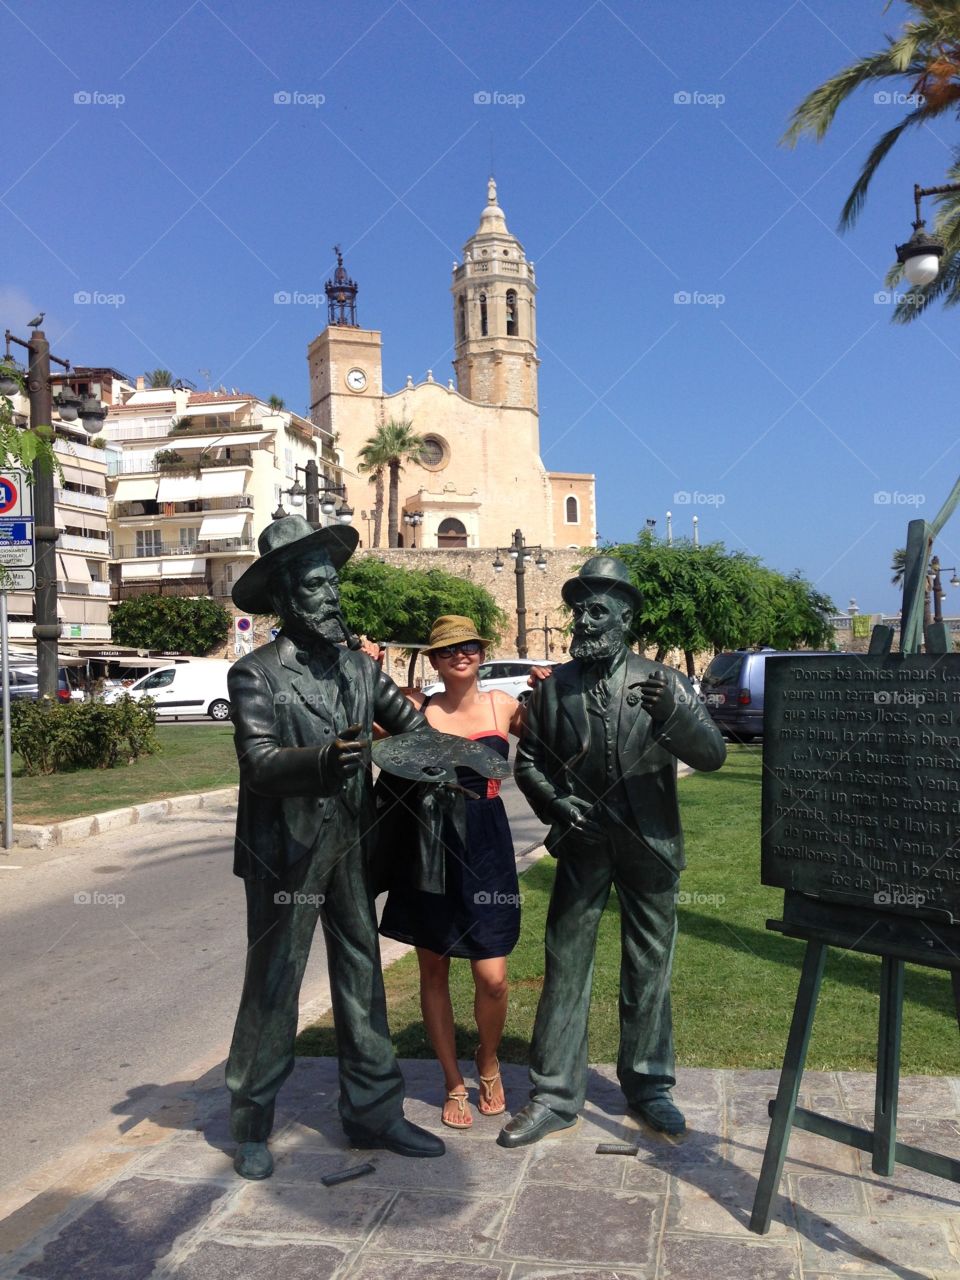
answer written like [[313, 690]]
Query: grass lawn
[[734, 983], [191, 758]]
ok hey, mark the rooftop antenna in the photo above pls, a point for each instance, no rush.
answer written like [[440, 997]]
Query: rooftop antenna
[[205, 374]]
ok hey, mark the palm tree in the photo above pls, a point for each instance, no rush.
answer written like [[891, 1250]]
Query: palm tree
[[395, 443], [159, 377], [925, 58], [368, 463], [277, 403], [899, 565]]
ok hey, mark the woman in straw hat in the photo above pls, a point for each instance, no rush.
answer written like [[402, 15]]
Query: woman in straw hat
[[478, 916]]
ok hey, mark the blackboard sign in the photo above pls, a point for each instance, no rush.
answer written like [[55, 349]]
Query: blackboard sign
[[861, 782]]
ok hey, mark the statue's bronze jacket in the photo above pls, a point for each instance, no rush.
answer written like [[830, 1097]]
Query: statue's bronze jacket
[[290, 805], [557, 734]]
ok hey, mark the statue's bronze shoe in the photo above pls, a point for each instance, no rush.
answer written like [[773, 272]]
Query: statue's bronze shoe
[[399, 1135], [253, 1160], [661, 1113], [530, 1124]]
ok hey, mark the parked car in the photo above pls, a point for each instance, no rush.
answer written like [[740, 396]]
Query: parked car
[[509, 674], [732, 688], [197, 688], [24, 682]]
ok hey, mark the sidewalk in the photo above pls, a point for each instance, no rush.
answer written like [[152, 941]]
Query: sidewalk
[[161, 1200]]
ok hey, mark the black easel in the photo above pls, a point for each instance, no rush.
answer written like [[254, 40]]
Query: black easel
[[896, 940]]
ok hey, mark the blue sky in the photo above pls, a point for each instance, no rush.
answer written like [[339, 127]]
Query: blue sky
[[779, 404]]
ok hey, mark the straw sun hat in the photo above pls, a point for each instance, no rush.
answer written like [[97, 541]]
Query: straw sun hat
[[453, 629]]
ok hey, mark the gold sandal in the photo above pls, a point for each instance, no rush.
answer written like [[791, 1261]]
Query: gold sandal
[[461, 1099], [487, 1086]]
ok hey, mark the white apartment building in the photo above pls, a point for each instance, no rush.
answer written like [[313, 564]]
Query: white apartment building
[[83, 548], [194, 479]]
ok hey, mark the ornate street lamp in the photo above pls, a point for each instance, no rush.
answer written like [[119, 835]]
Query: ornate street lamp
[[414, 519], [921, 254]]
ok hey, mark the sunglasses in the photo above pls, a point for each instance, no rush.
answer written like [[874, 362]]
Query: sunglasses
[[467, 647]]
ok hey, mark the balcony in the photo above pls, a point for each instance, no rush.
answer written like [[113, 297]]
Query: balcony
[[151, 509], [83, 589], [66, 451], [88, 546], [205, 547], [185, 466], [87, 501]]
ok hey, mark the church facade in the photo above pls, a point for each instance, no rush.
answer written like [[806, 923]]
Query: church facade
[[480, 475]]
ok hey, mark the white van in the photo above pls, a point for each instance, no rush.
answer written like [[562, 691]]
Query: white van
[[197, 688]]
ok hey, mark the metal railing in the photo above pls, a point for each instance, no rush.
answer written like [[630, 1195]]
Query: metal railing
[[88, 501], [202, 547], [187, 466], [196, 506]]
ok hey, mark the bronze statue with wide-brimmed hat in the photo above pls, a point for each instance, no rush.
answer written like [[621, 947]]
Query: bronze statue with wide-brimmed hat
[[303, 709], [598, 762]]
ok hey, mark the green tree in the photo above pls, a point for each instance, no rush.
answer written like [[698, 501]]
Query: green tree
[[277, 404], [184, 624], [398, 605], [395, 443], [697, 598], [925, 60], [159, 377], [22, 446]]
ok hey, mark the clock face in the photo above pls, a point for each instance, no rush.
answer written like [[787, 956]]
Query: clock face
[[356, 380]]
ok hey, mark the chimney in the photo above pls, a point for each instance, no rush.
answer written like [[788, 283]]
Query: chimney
[[139, 381]]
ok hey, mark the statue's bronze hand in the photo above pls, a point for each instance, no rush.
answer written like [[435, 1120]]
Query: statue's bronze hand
[[657, 697], [575, 814], [346, 752]]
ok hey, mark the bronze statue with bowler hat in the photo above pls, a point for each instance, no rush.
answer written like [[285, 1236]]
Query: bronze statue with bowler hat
[[598, 761], [303, 709]]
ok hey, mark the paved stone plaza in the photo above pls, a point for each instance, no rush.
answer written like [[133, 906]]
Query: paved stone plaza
[[161, 1200]]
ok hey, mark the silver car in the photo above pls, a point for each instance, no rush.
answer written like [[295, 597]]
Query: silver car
[[509, 674]]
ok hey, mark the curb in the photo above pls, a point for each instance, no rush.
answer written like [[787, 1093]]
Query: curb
[[26, 836]]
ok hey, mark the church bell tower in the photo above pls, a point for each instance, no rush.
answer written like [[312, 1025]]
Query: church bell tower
[[495, 316]]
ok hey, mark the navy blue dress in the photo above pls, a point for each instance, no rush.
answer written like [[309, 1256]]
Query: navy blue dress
[[478, 915]]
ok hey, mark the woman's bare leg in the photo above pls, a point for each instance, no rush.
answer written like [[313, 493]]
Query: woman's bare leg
[[490, 1011], [437, 1010]]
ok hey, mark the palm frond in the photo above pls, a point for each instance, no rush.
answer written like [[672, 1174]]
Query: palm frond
[[815, 113], [854, 201]]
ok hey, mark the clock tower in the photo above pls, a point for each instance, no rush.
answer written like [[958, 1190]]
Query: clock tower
[[345, 363]]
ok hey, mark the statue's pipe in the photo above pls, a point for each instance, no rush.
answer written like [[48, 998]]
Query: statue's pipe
[[351, 640]]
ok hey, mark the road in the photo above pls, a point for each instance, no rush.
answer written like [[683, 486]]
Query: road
[[123, 960]]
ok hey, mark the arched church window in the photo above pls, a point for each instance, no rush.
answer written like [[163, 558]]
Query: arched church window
[[483, 315], [461, 317], [572, 510], [513, 323], [451, 533]]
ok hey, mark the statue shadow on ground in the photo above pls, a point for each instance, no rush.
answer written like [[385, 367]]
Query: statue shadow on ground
[[700, 1160]]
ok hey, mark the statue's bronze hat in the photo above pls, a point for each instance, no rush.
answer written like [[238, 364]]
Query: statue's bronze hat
[[283, 540], [601, 573]]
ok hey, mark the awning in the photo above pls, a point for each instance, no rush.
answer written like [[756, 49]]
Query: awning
[[141, 569], [222, 482], [74, 568], [181, 442], [178, 488], [221, 525], [185, 567], [135, 490], [73, 473]]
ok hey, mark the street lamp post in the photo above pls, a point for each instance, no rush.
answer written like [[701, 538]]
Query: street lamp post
[[520, 552], [547, 633], [938, 591], [318, 501], [46, 628], [414, 519]]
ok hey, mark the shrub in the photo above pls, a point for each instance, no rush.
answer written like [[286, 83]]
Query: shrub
[[55, 737], [184, 624]]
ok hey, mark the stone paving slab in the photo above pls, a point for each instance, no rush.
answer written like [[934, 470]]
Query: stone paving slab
[[173, 1209]]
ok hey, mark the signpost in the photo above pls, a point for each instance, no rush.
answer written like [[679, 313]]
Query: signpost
[[17, 558], [242, 635]]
